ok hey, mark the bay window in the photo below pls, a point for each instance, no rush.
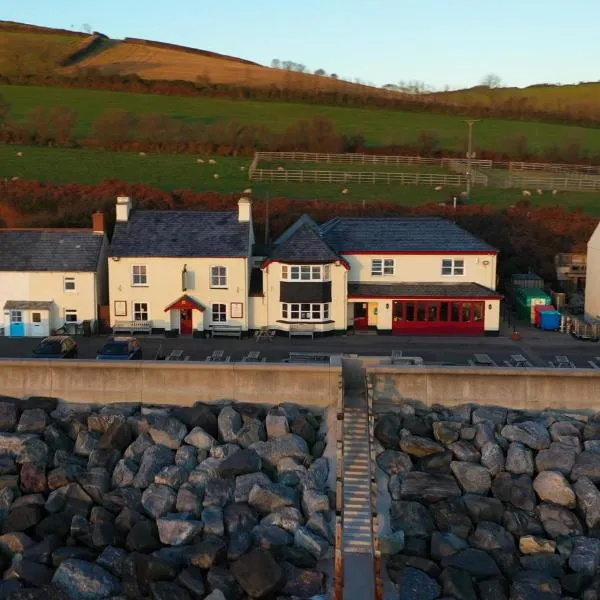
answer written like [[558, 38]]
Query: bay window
[[304, 311], [305, 272]]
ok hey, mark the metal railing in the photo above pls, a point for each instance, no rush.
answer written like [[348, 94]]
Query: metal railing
[[339, 495]]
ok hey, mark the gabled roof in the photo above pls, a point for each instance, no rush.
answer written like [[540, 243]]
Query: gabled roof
[[50, 250], [305, 245], [173, 233], [410, 234], [291, 230]]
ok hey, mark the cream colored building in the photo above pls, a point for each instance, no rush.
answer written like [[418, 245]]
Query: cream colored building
[[51, 277], [181, 271], [592, 284]]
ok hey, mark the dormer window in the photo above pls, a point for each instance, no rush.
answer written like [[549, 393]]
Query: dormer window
[[305, 272]]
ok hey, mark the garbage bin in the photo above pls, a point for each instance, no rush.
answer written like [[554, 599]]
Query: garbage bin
[[87, 328]]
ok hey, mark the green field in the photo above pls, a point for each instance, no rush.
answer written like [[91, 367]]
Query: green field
[[171, 172], [381, 127]]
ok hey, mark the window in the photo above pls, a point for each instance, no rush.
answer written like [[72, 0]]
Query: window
[[16, 316], [305, 272], [36, 317], [69, 284], [139, 275], [70, 316], [140, 311], [305, 312], [218, 277], [453, 266], [382, 266], [219, 313]]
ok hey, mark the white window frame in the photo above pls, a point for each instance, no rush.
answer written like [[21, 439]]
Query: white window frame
[[71, 316], [139, 309], [139, 275], [305, 272], [219, 310], [68, 281], [452, 268], [382, 267], [304, 312], [218, 277]]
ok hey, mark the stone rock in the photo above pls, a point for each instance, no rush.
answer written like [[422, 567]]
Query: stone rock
[[158, 500], [396, 564], [186, 457], [477, 563], [481, 508], [86, 442], [274, 450], [136, 449], [472, 478], [484, 434], [167, 431], [585, 556], [531, 433], [29, 572], [317, 474], [493, 414], [414, 584], [436, 463], [519, 459], [13, 444], [457, 584], [124, 473], [82, 580], [229, 422], [269, 537], [212, 517], [33, 478], [177, 529], [516, 489], [464, 451], [154, 458], [307, 540], [450, 516], [166, 590], [591, 430], [313, 502], [188, 501], [276, 423], [558, 457], [8, 416], [172, 476], [558, 521], [520, 522], [120, 497], [245, 483], [302, 427], [211, 550], [192, 580], [200, 439], [218, 492], [239, 517], [412, 518], [106, 458], [216, 595], [101, 422], [446, 544], [302, 583], [394, 462], [240, 462], [446, 432], [389, 544], [142, 537], [22, 519], [95, 482], [33, 420], [530, 544], [268, 498], [491, 536], [290, 518], [567, 433], [419, 446], [33, 450], [117, 436], [544, 562], [112, 559], [427, 487], [387, 430], [254, 431], [531, 585], [588, 499], [258, 573], [199, 415], [586, 465], [551, 486]]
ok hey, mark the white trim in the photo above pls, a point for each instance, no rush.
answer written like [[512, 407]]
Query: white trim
[[453, 267], [382, 267], [69, 280], [305, 272], [71, 312], [144, 274], [133, 311], [219, 312], [287, 311], [219, 276]]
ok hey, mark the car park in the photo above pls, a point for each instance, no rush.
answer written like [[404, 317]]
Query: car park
[[121, 348], [56, 346]]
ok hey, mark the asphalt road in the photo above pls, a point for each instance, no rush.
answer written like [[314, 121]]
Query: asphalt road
[[537, 347]]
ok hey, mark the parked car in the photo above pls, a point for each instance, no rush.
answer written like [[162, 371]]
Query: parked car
[[56, 346], [121, 348]]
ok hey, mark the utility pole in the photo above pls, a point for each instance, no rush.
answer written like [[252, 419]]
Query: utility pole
[[470, 123], [267, 221]]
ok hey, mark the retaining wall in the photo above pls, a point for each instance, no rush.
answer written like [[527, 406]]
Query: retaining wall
[[532, 389], [161, 382]]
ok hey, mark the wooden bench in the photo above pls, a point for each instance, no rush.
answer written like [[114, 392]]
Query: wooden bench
[[308, 357], [226, 331], [132, 327], [302, 329]]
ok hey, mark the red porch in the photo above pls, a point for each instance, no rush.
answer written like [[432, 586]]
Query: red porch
[[184, 305]]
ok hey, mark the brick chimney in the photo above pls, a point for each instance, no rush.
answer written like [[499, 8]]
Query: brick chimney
[[98, 223]]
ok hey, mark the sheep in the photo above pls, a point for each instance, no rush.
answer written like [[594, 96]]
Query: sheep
[[463, 194], [199, 161], [212, 161], [242, 168], [247, 191], [19, 154], [540, 192], [437, 188], [216, 176], [280, 169], [554, 192], [526, 193], [14, 178], [345, 191], [142, 154]]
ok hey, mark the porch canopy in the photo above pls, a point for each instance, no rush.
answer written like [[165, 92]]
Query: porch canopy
[[418, 291], [28, 305], [185, 302]]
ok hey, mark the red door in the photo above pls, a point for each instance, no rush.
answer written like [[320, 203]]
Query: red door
[[397, 316], [361, 315], [185, 320]]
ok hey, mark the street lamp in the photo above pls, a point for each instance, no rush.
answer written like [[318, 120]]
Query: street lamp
[[470, 123]]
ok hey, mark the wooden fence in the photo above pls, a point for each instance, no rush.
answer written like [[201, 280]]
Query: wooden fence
[[553, 167], [573, 183]]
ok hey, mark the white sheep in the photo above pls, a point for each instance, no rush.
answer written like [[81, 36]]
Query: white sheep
[[345, 191], [437, 188], [212, 161], [199, 161], [14, 178], [554, 192], [216, 176], [280, 169], [19, 154], [526, 193], [463, 194], [540, 192], [242, 168], [247, 191], [142, 154]]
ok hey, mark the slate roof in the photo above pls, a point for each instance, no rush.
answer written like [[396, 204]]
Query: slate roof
[[410, 234], [49, 249], [304, 246], [28, 304], [173, 233], [418, 290]]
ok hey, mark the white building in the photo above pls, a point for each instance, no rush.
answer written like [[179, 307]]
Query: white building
[[181, 271], [49, 277], [592, 284], [390, 275]]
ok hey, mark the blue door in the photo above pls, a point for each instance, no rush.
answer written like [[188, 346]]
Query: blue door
[[17, 327]]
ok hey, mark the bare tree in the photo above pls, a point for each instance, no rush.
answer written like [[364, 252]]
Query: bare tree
[[491, 80]]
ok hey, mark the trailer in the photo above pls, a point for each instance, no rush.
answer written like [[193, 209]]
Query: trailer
[[582, 330]]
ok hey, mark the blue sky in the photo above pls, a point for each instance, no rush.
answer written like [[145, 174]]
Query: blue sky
[[439, 42]]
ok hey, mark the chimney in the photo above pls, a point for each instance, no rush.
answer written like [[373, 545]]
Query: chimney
[[98, 222], [123, 208], [244, 210]]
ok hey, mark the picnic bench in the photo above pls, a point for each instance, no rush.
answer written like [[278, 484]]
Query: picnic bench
[[562, 362], [302, 329], [264, 333], [518, 360], [253, 356], [177, 354], [482, 360], [307, 357], [226, 331], [132, 327], [217, 356]]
